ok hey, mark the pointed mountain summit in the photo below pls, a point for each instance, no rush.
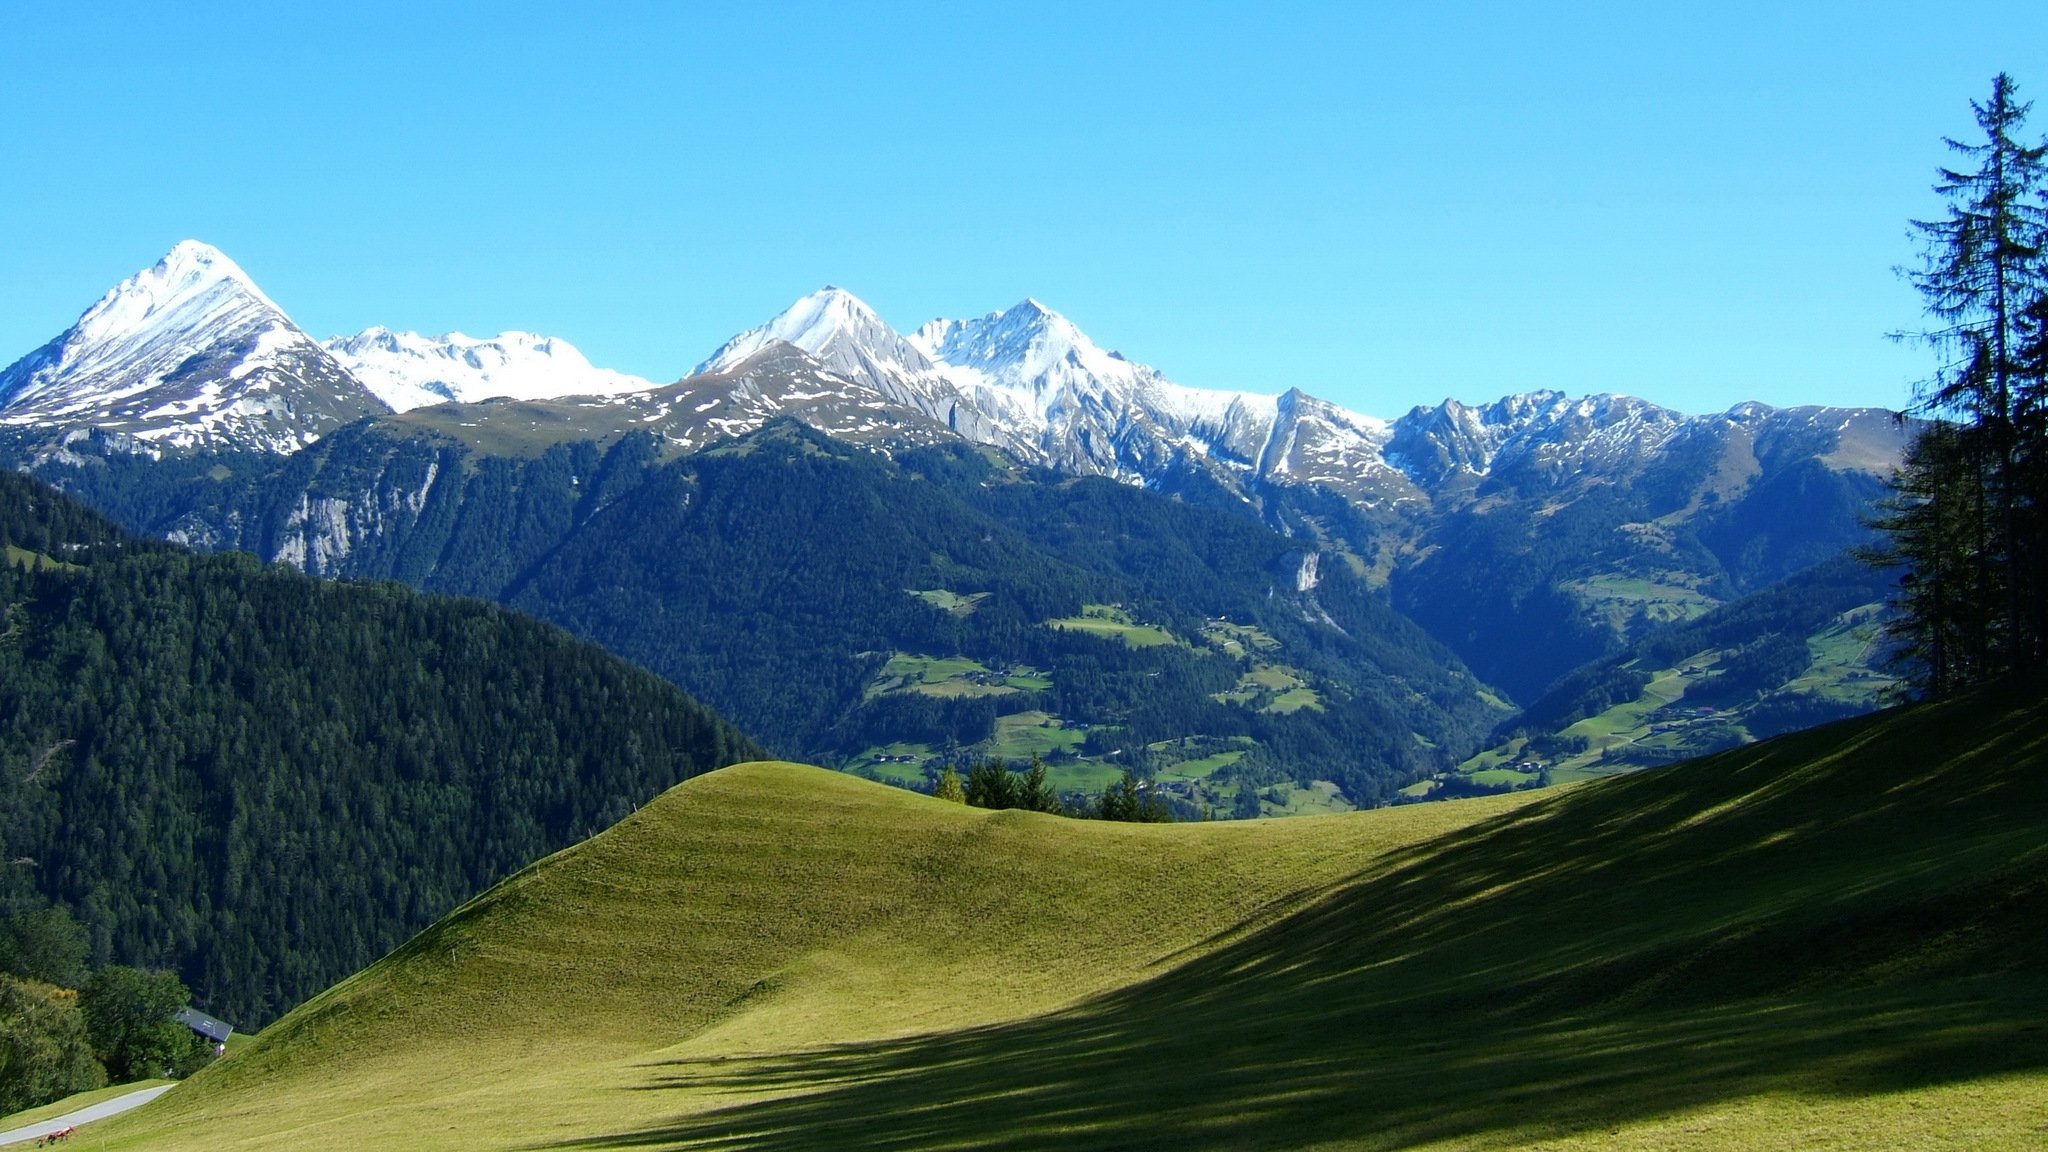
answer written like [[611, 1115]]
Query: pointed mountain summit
[[187, 354], [407, 370], [839, 331]]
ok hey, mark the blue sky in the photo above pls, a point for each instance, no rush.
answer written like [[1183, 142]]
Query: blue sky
[[1383, 205]]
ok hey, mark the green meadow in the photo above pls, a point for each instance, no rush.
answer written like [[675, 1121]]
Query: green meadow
[[1113, 623], [1828, 939]]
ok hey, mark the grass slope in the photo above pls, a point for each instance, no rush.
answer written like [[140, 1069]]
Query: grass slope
[[1833, 937]]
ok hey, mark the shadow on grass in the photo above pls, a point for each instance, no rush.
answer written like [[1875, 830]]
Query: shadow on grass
[[1854, 910]]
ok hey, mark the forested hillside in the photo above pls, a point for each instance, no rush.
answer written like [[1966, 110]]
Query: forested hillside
[[853, 609], [1526, 587], [1799, 653], [265, 780], [884, 615]]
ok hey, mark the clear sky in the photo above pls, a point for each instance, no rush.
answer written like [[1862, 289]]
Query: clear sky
[[1381, 204]]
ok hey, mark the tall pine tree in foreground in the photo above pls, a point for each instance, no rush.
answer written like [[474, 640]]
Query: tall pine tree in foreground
[[1966, 513]]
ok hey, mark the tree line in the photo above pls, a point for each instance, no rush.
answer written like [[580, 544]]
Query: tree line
[[993, 783], [1968, 511]]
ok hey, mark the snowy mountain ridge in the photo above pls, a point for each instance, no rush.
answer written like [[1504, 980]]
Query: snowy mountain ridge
[[191, 354], [407, 370]]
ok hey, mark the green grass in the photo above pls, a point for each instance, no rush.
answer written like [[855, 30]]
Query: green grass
[[1317, 798], [1238, 640], [19, 557], [951, 603], [1197, 758], [1625, 737], [1620, 599], [951, 676], [1202, 767], [1271, 688], [1830, 939], [1294, 700], [1083, 775], [886, 762], [1020, 735], [73, 1103], [1113, 623], [1845, 659]]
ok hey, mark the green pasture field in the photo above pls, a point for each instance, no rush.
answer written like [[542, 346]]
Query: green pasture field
[[951, 676], [1021, 734], [951, 603], [1238, 640], [1831, 939], [884, 761], [1621, 598], [18, 557], [1111, 622], [1198, 758]]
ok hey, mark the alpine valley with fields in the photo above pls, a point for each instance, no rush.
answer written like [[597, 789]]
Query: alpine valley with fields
[[970, 737]]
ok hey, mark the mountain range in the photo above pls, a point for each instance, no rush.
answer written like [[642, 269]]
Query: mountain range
[[191, 354], [1529, 536]]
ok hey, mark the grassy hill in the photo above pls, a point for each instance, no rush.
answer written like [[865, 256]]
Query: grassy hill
[[1832, 937]]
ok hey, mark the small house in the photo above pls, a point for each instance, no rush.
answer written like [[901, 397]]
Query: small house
[[217, 1031]]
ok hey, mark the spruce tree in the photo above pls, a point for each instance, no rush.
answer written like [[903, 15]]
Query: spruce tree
[[1965, 513], [1035, 792], [990, 785]]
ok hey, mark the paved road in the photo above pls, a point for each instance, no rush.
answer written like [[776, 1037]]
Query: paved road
[[99, 1111]]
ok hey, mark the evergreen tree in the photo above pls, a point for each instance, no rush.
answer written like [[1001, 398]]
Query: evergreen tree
[[1931, 521], [1246, 804], [1966, 510], [990, 785], [948, 786], [1119, 800], [1035, 792], [1132, 802], [44, 944]]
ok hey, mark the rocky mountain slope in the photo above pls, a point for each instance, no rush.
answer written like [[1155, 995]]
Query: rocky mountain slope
[[191, 354]]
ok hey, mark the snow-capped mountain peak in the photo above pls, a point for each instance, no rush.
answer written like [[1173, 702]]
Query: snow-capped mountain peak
[[138, 329], [407, 370], [185, 353], [193, 275], [838, 330]]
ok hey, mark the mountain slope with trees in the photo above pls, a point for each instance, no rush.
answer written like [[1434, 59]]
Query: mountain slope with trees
[[887, 614], [263, 780]]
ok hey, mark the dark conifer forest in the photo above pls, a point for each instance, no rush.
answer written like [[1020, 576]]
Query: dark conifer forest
[[265, 781]]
